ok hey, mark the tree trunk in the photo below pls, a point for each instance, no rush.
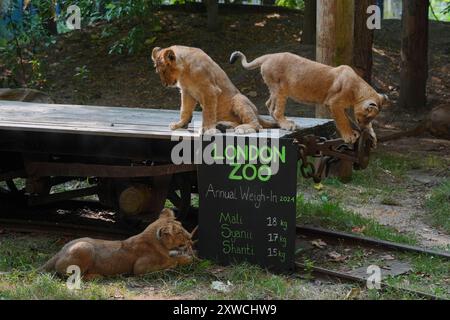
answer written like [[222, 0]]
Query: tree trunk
[[363, 41], [414, 55], [212, 9], [309, 22], [334, 41]]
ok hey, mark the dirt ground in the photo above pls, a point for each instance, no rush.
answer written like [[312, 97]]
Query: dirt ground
[[407, 214]]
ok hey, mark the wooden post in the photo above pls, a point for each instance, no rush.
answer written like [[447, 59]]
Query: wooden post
[[212, 9], [309, 22], [334, 41], [363, 41], [414, 55]]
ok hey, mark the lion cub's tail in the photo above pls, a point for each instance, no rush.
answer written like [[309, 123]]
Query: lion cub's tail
[[49, 265], [247, 65]]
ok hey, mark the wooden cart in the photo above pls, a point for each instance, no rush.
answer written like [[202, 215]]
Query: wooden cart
[[123, 153]]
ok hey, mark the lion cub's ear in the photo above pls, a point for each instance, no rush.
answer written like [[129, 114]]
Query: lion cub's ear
[[155, 53], [167, 213], [169, 56], [164, 231], [370, 107]]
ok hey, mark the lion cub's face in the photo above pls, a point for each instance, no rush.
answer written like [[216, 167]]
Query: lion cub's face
[[165, 63], [171, 233], [368, 109]]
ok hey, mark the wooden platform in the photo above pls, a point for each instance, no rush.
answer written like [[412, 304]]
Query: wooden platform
[[107, 121]]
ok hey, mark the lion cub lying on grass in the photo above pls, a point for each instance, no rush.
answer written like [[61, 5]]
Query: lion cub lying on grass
[[201, 80], [290, 76], [163, 244]]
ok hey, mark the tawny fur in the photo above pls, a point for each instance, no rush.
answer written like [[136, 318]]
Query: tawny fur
[[202, 81], [156, 248], [290, 76]]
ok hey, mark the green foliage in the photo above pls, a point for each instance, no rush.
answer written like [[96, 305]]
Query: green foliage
[[135, 13], [440, 10], [19, 66], [293, 4]]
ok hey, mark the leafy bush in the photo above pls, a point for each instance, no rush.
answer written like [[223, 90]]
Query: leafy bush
[[293, 4], [22, 39], [136, 14]]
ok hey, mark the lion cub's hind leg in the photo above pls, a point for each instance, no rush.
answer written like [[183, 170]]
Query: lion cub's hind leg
[[247, 113], [277, 105], [80, 254]]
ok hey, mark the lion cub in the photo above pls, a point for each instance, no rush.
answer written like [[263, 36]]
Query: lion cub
[[163, 244], [201, 80], [290, 76]]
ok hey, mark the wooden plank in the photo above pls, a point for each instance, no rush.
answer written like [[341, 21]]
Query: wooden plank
[[110, 121], [45, 169]]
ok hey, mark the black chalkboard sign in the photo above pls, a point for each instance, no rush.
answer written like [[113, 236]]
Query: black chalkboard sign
[[247, 214]]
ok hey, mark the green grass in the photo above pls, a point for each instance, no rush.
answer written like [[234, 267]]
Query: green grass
[[429, 275], [32, 285], [331, 215], [387, 170], [21, 255], [438, 205]]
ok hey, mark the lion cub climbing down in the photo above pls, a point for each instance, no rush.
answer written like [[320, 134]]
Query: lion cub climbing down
[[201, 80], [290, 76], [163, 244]]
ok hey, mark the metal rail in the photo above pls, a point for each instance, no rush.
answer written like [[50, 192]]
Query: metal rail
[[348, 277], [371, 241]]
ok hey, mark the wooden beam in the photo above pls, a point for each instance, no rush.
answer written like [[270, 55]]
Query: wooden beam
[[309, 22], [334, 40], [47, 169], [414, 55], [363, 41]]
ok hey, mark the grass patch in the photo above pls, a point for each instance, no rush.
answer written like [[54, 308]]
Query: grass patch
[[20, 285], [21, 255], [392, 167], [429, 275], [331, 215], [438, 205]]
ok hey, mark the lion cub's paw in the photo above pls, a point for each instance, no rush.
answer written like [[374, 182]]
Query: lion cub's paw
[[351, 138], [288, 125], [246, 129], [209, 131], [177, 125]]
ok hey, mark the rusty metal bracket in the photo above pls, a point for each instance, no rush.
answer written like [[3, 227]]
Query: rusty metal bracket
[[317, 154]]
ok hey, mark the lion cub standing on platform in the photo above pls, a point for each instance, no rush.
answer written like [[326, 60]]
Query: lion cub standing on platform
[[290, 76], [201, 80], [163, 244]]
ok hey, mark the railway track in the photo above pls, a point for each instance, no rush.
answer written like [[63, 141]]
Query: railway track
[[365, 242], [111, 230]]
